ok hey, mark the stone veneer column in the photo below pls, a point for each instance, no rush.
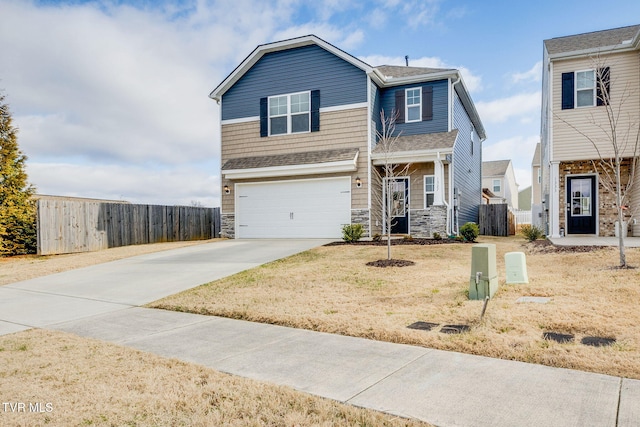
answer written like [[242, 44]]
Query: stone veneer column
[[227, 225], [425, 222], [361, 216]]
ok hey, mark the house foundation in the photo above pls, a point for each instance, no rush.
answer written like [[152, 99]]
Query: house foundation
[[227, 225], [425, 222]]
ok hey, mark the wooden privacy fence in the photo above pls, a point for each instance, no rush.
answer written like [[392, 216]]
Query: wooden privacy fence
[[496, 220], [68, 226]]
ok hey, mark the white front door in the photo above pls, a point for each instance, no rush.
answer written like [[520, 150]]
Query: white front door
[[310, 208]]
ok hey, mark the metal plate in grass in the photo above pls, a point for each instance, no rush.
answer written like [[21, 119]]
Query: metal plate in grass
[[455, 329], [597, 341], [423, 326], [560, 338]]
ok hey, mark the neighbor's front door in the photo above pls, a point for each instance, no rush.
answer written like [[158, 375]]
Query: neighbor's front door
[[581, 206], [399, 190]]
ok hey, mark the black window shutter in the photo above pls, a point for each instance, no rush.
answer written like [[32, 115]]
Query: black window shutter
[[315, 110], [400, 106], [603, 97], [427, 103], [264, 117], [567, 91]]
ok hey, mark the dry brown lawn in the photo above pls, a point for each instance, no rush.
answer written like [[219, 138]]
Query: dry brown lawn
[[330, 289], [58, 379]]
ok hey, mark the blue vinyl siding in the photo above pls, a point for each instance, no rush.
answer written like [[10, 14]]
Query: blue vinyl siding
[[375, 112], [440, 122], [468, 183], [295, 70]]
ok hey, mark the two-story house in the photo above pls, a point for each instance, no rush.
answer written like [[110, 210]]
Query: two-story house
[[299, 129], [499, 177], [582, 76]]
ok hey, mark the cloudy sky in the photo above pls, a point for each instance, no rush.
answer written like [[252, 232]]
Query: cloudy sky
[[111, 96]]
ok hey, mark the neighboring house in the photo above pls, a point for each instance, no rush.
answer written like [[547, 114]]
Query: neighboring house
[[524, 199], [298, 144], [536, 189], [577, 70], [499, 177]]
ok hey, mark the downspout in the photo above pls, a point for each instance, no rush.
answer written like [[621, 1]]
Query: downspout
[[454, 216]]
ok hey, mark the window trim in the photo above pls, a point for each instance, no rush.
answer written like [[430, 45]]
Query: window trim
[[493, 185], [424, 180], [406, 104], [594, 88], [288, 114]]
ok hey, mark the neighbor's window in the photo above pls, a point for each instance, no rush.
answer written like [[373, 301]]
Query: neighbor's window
[[429, 190], [497, 186], [289, 113], [414, 105], [585, 88]]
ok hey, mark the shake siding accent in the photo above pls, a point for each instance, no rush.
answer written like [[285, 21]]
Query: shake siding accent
[[439, 123], [340, 129], [625, 77], [468, 183], [295, 70]]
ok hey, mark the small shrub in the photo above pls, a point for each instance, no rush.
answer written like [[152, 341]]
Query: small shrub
[[531, 232], [408, 238], [376, 237], [470, 231], [352, 232], [437, 236]]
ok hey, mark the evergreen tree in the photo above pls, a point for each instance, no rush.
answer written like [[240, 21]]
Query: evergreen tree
[[17, 208]]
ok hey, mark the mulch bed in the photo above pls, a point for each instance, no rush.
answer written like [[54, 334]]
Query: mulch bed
[[399, 242], [547, 247], [390, 263]]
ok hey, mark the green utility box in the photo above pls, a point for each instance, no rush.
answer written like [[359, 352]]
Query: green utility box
[[484, 276], [516, 265]]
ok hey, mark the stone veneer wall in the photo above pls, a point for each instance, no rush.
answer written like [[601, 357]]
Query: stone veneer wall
[[425, 222], [607, 212], [227, 225], [361, 216]]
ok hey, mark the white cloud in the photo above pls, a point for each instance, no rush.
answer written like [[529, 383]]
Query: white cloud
[[473, 82], [523, 106], [519, 149], [174, 186], [533, 75]]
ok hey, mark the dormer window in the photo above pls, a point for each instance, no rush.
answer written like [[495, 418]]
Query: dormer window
[[413, 107]]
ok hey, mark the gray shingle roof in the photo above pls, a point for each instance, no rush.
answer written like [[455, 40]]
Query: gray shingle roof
[[428, 141], [495, 167], [289, 159], [592, 40], [399, 71]]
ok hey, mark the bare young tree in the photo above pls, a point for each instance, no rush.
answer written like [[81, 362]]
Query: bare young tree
[[616, 139], [388, 200]]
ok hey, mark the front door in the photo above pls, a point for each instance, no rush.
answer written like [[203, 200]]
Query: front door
[[398, 188], [581, 206]]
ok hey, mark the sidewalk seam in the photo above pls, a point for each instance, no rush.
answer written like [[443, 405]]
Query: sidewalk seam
[[619, 400], [427, 351]]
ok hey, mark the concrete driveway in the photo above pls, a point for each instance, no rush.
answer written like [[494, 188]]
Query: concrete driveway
[[104, 288]]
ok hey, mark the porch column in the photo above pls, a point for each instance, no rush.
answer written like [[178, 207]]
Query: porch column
[[438, 176], [554, 200]]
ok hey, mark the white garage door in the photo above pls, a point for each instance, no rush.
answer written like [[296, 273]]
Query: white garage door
[[303, 208]]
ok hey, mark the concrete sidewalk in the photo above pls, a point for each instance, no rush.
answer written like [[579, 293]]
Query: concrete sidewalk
[[442, 388], [439, 387]]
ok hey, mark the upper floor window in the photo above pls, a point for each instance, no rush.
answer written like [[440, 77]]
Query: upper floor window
[[497, 186], [429, 190], [585, 88], [413, 99], [289, 113]]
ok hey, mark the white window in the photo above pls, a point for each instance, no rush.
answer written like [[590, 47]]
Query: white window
[[497, 187], [429, 190], [413, 99], [289, 113], [585, 88], [539, 176]]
